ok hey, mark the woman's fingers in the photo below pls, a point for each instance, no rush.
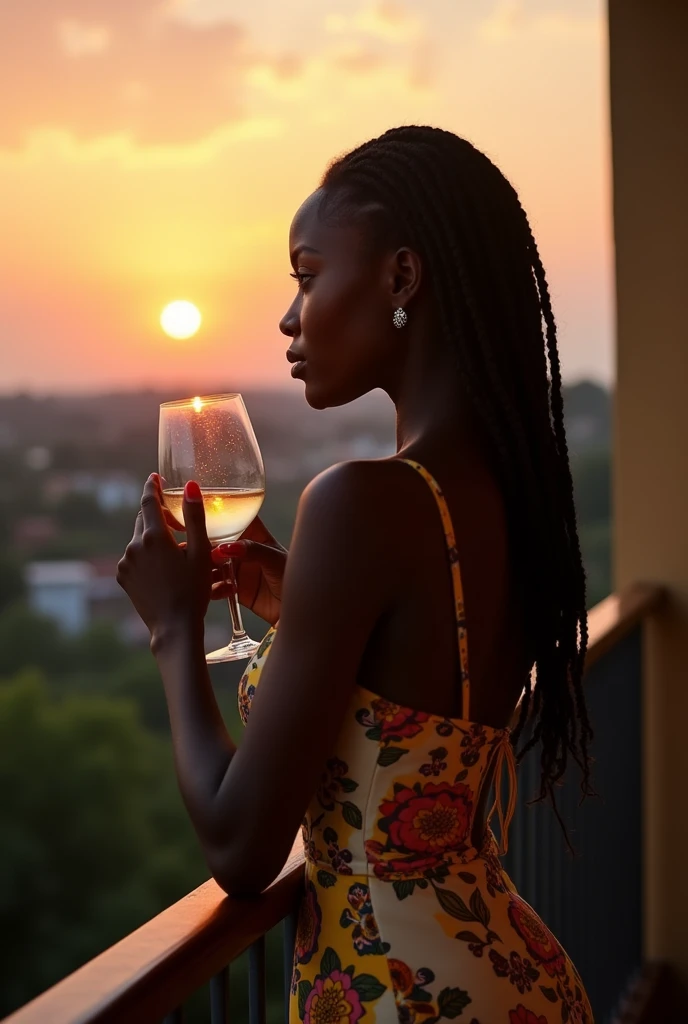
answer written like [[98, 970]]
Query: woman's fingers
[[219, 590], [172, 522], [258, 531]]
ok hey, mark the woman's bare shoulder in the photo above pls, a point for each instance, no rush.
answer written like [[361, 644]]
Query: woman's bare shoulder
[[357, 482]]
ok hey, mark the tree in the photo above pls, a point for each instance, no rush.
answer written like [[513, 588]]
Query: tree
[[99, 649], [30, 640], [592, 481], [11, 581], [94, 839]]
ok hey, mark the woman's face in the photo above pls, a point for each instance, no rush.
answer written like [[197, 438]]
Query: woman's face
[[340, 322]]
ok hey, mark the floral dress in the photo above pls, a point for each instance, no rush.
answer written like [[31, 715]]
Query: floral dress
[[402, 918]]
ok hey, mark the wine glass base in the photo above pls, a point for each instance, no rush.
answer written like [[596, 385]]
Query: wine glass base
[[237, 650]]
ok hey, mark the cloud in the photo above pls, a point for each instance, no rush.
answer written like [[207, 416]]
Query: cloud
[[114, 66], [78, 38], [513, 17], [116, 76], [55, 145], [389, 20]]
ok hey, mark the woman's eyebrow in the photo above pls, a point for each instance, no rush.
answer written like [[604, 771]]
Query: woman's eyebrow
[[304, 248]]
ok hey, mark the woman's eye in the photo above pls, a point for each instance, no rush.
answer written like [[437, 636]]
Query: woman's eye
[[301, 278]]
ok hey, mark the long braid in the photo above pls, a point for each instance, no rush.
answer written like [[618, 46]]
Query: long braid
[[453, 204]]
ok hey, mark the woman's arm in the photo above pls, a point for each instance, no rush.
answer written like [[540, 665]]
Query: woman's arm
[[246, 804]]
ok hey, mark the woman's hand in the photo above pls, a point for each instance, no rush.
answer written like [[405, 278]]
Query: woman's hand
[[259, 563], [168, 583]]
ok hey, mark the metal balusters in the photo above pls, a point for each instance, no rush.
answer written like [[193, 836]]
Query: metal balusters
[[219, 997], [592, 900], [256, 982]]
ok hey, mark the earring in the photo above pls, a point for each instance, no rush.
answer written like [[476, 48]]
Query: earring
[[400, 318]]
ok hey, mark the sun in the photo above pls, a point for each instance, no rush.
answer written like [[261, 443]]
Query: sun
[[180, 319]]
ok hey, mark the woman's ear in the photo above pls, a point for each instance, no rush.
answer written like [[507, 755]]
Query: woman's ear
[[405, 276]]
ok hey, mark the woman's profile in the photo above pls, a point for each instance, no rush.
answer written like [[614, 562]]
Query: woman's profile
[[429, 602]]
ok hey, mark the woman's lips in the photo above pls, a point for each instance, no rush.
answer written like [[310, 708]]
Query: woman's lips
[[298, 368]]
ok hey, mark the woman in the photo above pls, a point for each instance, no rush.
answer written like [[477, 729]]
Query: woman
[[418, 274]]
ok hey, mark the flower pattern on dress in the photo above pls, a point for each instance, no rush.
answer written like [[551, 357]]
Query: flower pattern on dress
[[333, 782], [333, 1000], [359, 913], [494, 881], [519, 971], [308, 927], [414, 1002], [539, 940], [394, 878], [424, 823], [437, 765], [336, 996], [245, 697], [474, 739], [340, 859], [523, 1016]]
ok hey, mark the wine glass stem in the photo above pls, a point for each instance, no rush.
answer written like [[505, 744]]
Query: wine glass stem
[[238, 631]]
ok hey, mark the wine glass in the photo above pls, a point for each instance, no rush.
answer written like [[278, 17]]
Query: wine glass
[[210, 440]]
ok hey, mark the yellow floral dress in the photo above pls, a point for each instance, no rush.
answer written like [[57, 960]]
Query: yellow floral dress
[[402, 919]]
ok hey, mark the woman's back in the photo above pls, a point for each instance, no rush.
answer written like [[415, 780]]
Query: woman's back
[[412, 657]]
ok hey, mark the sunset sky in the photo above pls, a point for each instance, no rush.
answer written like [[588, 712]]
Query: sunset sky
[[153, 150]]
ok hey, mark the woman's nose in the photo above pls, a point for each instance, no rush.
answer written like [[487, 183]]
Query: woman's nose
[[290, 323]]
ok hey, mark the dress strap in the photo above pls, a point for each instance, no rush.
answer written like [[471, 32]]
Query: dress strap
[[456, 582], [504, 758]]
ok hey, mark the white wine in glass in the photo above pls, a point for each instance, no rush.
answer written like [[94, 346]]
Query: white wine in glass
[[210, 440]]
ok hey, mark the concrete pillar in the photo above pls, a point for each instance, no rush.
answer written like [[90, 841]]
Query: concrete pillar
[[649, 119]]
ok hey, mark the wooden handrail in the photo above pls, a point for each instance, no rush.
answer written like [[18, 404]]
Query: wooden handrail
[[616, 616], [157, 967]]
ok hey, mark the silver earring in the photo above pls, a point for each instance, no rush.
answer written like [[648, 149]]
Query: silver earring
[[400, 318]]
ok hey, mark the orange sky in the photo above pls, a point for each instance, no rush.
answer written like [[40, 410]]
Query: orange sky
[[156, 149]]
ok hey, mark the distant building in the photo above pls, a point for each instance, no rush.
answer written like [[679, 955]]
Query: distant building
[[113, 490], [74, 594], [34, 531], [61, 590]]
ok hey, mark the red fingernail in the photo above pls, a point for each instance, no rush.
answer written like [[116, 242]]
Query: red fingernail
[[237, 547], [192, 492]]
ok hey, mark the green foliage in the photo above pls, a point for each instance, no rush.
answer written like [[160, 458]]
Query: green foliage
[[11, 580], [29, 640], [592, 487], [94, 839], [596, 547], [79, 512], [138, 680], [98, 649]]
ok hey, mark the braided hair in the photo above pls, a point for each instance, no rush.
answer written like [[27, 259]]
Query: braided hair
[[436, 192]]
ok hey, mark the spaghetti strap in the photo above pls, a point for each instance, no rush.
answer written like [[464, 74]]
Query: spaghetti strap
[[456, 583]]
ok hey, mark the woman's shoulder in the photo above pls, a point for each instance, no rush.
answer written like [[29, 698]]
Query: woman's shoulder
[[368, 501], [363, 480]]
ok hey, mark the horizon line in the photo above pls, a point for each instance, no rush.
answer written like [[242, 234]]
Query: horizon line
[[100, 391]]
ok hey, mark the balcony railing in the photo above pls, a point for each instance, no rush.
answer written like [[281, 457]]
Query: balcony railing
[[591, 901]]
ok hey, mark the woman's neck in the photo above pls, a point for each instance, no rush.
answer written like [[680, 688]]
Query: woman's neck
[[430, 404]]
